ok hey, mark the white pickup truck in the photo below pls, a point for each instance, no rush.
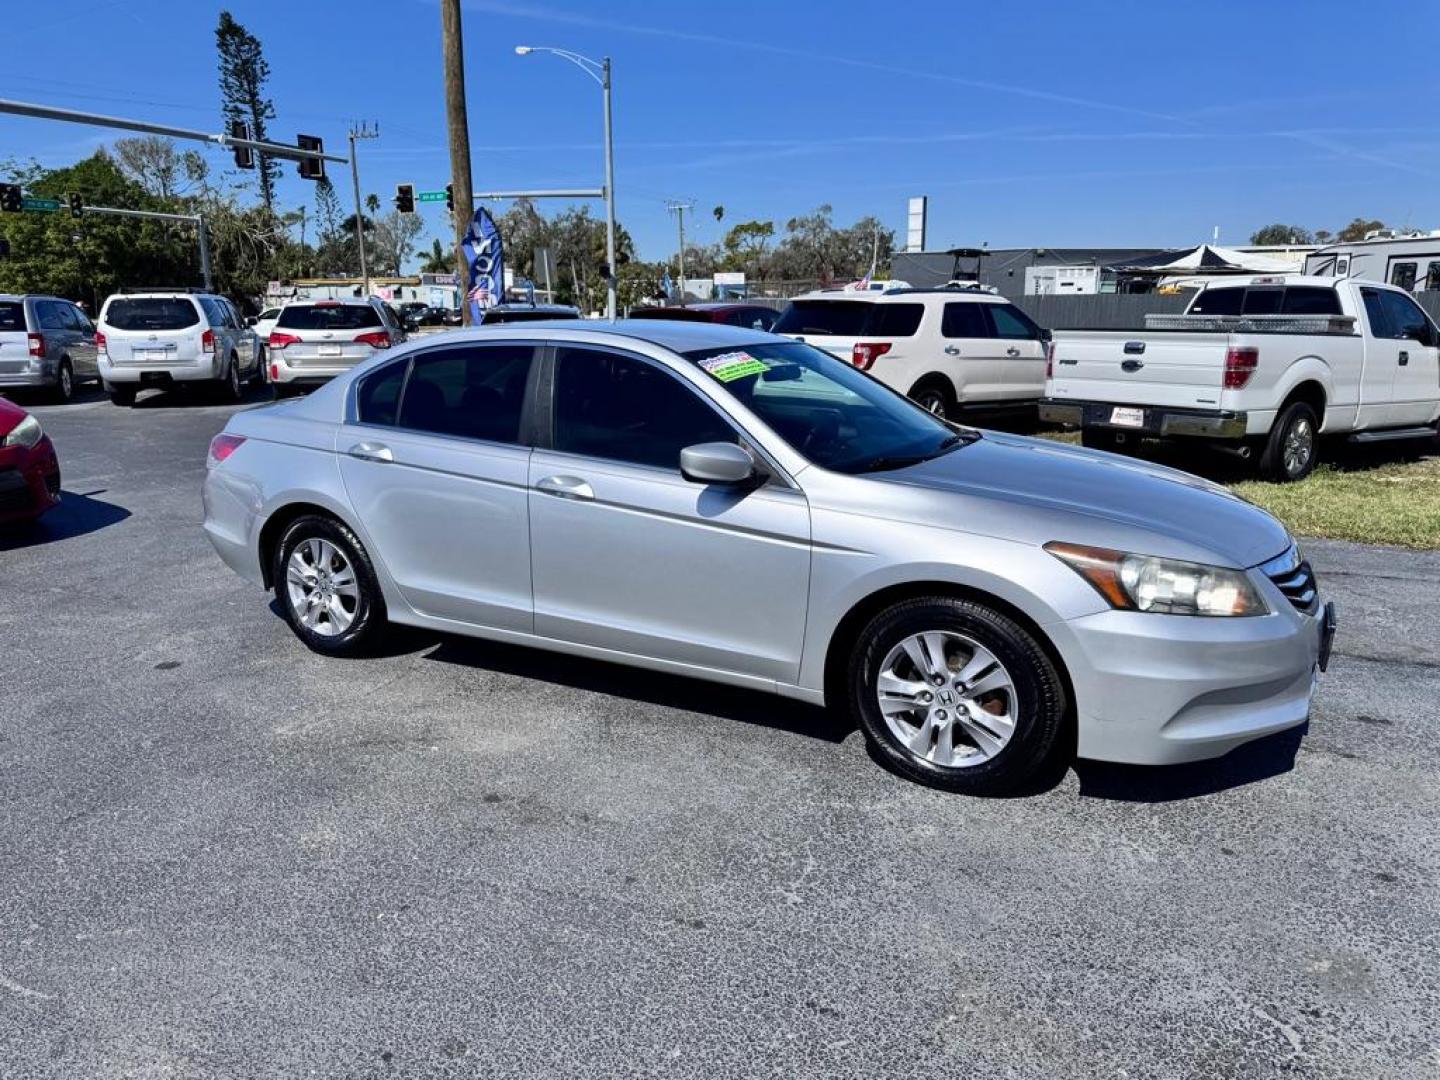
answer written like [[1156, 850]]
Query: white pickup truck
[[1264, 365]]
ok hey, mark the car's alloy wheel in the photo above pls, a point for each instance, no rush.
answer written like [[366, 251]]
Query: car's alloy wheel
[[958, 695], [947, 699], [327, 586], [64, 382], [233, 389], [1292, 448], [933, 400]]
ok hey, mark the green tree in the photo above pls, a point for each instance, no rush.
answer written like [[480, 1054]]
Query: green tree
[[154, 162], [438, 259], [1357, 229], [243, 73], [1280, 235], [746, 246]]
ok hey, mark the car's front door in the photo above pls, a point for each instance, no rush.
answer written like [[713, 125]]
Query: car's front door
[[434, 461], [1382, 359], [627, 555], [1019, 340], [1417, 361]]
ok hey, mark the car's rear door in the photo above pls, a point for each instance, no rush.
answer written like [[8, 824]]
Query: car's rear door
[[434, 460], [972, 356], [629, 556], [82, 343]]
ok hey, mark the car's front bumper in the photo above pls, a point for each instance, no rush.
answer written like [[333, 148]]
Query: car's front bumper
[[29, 481], [1160, 689], [1160, 421]]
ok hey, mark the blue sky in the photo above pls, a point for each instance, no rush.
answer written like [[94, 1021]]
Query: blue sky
[[1051, 124]]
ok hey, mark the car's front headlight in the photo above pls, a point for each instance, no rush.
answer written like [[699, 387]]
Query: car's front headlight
[[1169, 586], [26, 433]]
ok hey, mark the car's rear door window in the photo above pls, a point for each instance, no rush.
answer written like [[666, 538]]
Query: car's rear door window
[[377, 398], [1376, 313], [52, 315], [963, 320], [472, 391], [152, 313], [328, 317], [839, 318], [624, 409]]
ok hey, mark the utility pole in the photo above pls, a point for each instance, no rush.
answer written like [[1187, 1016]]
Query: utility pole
[[612, 275], [364, 131], [452, 48], [678, 209]]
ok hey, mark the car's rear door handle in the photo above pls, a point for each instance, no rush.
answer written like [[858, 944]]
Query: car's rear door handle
[[952, 350], [1404, 358], [1012, 351], [371, 451], [566, 487]]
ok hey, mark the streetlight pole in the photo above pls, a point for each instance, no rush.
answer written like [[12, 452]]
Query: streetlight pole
[[362, 133], [599, 70]]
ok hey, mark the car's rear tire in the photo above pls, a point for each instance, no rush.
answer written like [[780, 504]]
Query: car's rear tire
[[327, 587], [64, 388], [1293, 446], [935, 397], [121, 395], [229, 387], [958, 695], [262, 369]]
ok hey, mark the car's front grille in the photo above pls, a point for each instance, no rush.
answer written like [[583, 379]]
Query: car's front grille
[[1294, 577]]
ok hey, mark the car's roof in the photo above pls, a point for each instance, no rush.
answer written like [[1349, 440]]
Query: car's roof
[[942, 293], [716, 305], [345, 301], [1243, 280], [676, 335], [162, 294]]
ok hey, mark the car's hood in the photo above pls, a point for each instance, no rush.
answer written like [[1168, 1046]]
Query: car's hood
[[1111, 500]]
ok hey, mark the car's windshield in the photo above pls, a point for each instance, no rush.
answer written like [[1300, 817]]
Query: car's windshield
[[833, 415], [328, 317], [844, 318]]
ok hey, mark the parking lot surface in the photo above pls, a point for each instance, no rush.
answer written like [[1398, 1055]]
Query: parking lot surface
[[224, 856]]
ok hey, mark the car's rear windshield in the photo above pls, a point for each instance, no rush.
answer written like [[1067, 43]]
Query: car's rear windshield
[[842, 318], [12, 316], [1267, 300], [493, 318], [328, 317], [152, 313]]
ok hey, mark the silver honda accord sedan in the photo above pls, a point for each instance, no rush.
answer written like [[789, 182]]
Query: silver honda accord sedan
[[730, 505]]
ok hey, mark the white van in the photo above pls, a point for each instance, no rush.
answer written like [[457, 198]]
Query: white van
[[950, 349]]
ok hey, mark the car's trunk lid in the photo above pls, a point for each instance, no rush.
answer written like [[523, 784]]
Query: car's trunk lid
[[1181, 370]]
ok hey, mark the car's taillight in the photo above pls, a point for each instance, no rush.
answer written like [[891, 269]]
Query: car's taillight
[[37, 345], [279, 340], [1049, 359], [100, 344], [378, 339], [207, 341], [865, 353], [222, 446], [1240, 364]]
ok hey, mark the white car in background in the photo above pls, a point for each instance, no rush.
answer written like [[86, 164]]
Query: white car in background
[[952, 349], [163, 338], [315, 340], [265, 322]]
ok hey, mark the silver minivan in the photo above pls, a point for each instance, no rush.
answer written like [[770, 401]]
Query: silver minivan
[[45, 342], [163, 338]]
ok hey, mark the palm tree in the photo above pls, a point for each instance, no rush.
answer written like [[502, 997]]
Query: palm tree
[[437, 260], [372, 203]]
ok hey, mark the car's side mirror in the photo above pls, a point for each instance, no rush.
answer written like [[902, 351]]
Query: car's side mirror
[[1046, 335], [250, 320], [716, 463]]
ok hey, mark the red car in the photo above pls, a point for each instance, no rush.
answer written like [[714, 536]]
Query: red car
[[750, 316], [29, 469]]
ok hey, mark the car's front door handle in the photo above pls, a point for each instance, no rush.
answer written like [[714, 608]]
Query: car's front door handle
[[1012, 351], [1404, 358], [371, 451], [952, 350], [566, 487]]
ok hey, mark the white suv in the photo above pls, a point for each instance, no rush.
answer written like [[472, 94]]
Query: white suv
[[163, 338], [949, 349], [315, 340]]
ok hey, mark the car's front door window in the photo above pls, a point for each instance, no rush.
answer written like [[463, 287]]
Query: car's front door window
[[622, 408]]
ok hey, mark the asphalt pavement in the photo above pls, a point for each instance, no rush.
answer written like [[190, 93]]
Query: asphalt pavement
[[224, 856]]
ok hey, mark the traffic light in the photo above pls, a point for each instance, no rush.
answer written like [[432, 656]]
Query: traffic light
[[311, 168], [77, 204], [405, 198], [244, 156], [11, 198], [450, 197]]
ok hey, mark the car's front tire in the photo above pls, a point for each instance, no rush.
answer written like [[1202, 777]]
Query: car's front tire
[[327, 587], [957, 695]]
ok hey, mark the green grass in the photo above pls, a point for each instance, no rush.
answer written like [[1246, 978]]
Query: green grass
[[1386, 493]]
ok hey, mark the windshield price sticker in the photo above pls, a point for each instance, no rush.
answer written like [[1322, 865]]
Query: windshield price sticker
[[727, 367]]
